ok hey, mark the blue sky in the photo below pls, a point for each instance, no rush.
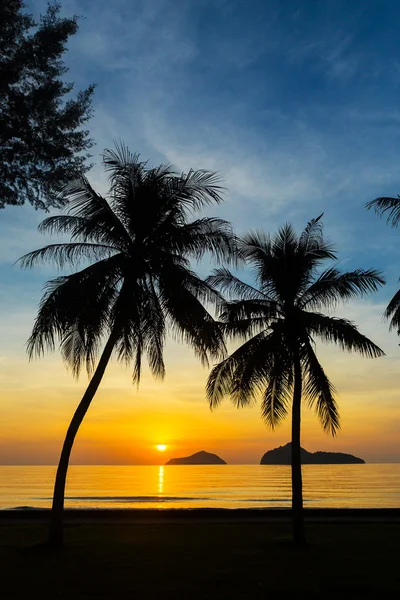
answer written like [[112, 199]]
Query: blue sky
[[295, 103]]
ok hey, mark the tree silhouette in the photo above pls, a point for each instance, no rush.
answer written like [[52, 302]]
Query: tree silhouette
[[136, 283], [42, 143], [279, 319], [391, 208]]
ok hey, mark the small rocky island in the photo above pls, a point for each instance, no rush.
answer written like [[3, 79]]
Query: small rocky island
[[199, 458], [283, 455]]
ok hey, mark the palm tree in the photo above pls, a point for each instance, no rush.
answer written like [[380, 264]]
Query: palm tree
[[136, 282], [390, 206], [279, 319]]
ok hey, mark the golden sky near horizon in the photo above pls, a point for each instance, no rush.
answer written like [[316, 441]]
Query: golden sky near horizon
[[124, 425]]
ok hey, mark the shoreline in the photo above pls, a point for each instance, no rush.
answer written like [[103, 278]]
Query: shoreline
[[138, 516]]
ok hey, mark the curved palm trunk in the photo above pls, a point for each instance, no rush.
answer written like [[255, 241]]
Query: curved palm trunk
[[297, 483], [57, 509]]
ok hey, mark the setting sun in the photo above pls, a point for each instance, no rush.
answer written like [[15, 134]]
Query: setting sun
[[161, 447]]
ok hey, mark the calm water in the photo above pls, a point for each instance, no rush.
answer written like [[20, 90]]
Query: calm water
[[230, 486]]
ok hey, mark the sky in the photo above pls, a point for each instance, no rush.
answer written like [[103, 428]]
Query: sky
[[295, 104]]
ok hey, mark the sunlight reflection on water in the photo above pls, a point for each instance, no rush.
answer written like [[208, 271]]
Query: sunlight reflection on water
[[161, 480], [225, 486]]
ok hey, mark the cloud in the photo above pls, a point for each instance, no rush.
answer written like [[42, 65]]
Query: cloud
[[299, 175]]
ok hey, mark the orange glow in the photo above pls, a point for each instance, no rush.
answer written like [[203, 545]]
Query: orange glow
[[125, 426]]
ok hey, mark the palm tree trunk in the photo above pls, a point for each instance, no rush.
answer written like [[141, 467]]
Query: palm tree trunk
[[297, 483], [56, 518]]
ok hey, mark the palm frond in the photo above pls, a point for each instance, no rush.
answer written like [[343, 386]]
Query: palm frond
[[245, 373], [207, 235], [219, 382], [253, 368], [392, 312], [243, 329], [198, 189], [333, 287], [82, 201], [81, 229], [313, 244], [285, 242], [312, 233], [155, 334], [66, 254], [277, 395], [75, 313], [229, 284], [256, 247], [234, 311], [138, 194], [117, 162], [182, 296], [341, 332], [386, 205], [80, 346], [129, 313], [63, 224], [224, 377], [143, 327], [319, 391], [245, 318], [278, 267]]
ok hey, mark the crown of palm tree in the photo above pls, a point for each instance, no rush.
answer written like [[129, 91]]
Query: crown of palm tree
[[279, 319], [136, 282]]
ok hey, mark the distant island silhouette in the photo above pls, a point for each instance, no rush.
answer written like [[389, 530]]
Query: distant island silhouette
[[282, 456], [199, 458]]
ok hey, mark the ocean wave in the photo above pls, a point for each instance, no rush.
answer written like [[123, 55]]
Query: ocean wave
[[266, 500], [130, 498]]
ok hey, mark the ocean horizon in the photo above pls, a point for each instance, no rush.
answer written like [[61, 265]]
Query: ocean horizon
[[369, 485]]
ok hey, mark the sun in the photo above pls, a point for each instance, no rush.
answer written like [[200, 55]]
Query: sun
[[161, 447]]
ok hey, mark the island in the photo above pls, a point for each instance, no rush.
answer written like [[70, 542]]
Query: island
[[283, 454], [199, 458]]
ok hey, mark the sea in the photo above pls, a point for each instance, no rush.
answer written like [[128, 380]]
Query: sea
[[198, 486]]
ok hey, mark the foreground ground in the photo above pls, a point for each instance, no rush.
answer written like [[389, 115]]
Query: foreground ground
[[193, 560]]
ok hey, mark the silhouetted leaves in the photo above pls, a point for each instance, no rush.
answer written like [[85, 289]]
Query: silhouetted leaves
[[137, 243], [389, 207], [42, 143], [275, 321]]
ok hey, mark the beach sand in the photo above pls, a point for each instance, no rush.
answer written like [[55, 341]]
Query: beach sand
[[172, 554], [22, 515]]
